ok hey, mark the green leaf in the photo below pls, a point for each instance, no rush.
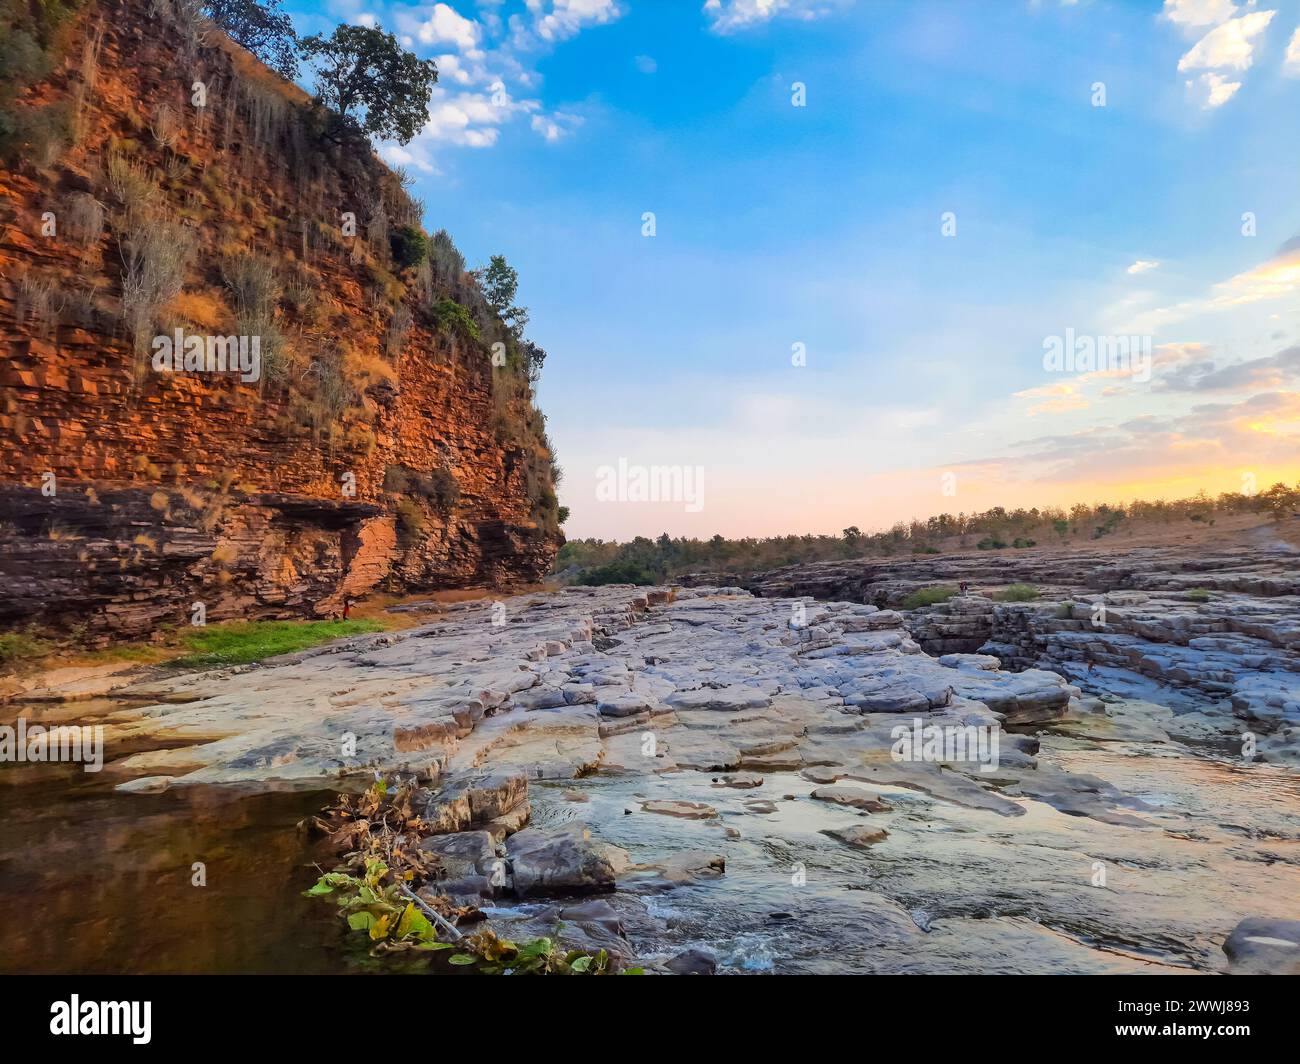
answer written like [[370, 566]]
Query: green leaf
[[318, 888], [632, 971], [463, 958], [538, 947], [581, 964], [414, 922], [361, 921]]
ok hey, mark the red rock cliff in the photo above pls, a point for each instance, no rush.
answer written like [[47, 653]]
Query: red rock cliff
[[379, 448]]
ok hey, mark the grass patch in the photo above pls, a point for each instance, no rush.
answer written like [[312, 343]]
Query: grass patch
[[1018, 593], [1198, 594], [19, 649], [928, 596], [246, 641]]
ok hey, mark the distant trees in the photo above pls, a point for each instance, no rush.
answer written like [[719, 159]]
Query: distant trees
[[371, 83], [262, 28], [992, 530], [1280, 501]]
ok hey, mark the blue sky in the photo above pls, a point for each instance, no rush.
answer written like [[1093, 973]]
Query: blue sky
[[558, 123]]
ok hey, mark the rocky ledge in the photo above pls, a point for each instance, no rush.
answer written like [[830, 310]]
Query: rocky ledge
[[708, 778], [1211, 630]]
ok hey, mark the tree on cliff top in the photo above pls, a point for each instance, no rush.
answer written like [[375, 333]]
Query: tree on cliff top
[[262, 28], [371, 82], [500, 284]]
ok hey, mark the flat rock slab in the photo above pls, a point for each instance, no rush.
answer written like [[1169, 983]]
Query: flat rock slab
[[854, 798], [685, 810], [723, 699], [740, 781], [861, 837]]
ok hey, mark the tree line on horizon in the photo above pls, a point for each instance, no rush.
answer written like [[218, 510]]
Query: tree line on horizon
[[650, 561]]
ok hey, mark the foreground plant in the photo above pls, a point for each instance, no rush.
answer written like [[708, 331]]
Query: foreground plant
[[376, 888]]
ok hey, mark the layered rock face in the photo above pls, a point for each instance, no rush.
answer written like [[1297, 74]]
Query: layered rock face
[[128, 493], [1218, 625]]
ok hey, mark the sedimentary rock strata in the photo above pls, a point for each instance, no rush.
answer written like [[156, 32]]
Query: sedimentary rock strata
[[127, 494], [1213, 630]]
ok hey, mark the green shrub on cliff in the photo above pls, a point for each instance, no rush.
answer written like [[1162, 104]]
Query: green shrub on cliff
[[408, 245], [437, 487], [928, 596], [1018, 593], [454, 318]]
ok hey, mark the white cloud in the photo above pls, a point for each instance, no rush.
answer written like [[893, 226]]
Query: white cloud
[[566, 18], [727, 16], [1142, 265], [1291, 65], [1199, 12], [1217, 89], [554, 126], [487, 68], [1229, 46], [447, 26], [1273, 279], [467, 118], [646, 64]]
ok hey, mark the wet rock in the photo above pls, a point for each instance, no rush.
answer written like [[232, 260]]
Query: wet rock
[[463, 854], [693, 962], [562, 861], [859, 836], [685, 810], [145, 785], [854, 798], [676, 870], [820, 774], [496, 795], [1263, 946]]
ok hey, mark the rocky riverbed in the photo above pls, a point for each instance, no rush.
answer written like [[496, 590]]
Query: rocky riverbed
[[707, 779]]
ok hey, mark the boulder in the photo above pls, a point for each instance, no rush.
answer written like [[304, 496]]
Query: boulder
[[565, 861], [1260, 945]]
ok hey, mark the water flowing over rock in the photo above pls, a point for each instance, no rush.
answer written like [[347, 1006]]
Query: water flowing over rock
[[849, 786]]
